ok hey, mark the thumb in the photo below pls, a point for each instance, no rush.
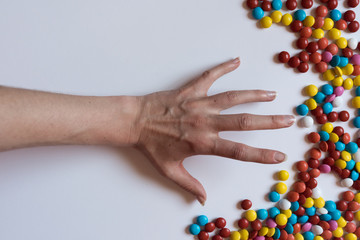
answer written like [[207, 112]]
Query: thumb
[[183, 178]]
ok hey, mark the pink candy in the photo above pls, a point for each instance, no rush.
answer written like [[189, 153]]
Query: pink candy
[[355, 59], [259, 238], [271, 223], [333, 225], [306, 227], [324, 168], [338, 91], [330, 98], [326, 56]]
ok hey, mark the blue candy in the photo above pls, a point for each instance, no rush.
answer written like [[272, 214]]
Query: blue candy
[[351, 147], [262, 214], [289, 228], [303, 219], [302, 109], [350, 164], [335, 215], [299, 15], [320, 97], [194, 229], [335, 61], [274, 196], [356, 122], [327, 108], [273, 212], [335, 15], [294, 206], [354, 175], [258, 13], [325, 217], [308, 236], [340, 146], [276, 4], [202, 220], [324, 136], [330, 206], [357, 92], [343, 61], [292, 219], [327, 89], [310, 211], [276, 234]]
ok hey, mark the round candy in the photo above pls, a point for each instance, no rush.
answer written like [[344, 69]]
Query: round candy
[[321, 11], [328, 24], [334, 33], [246, 204], [307, 121], [294, 62], [262, 214], [276, 4], [194, 229], [353, 26], [287, 19], [291, 4], [281, 219], [307, 3], [220, 222], [309, 21], [356, 122], [276, 16], [352, 3], [251, 215], [281, 188], [258, 13], [299, 15], [302, 109], [284, 204], [209, 227], [202, 220], [349, 16], [274, 196], [283, 175], [352, 43], [266, 22]]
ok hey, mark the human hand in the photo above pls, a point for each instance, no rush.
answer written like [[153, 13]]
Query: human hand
[[174, 125]]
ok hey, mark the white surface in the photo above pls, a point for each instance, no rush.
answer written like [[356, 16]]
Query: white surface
[[114, 47]]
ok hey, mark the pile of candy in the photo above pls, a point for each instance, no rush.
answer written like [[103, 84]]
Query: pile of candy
[[302, 214]]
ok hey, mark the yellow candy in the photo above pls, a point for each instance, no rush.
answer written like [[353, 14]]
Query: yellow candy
[[281, 188], [244, 234], [271, 232], [250, 215], [283, 175], [338, 232], [328, 24], [334, 34], [311, 90], [357, 81], [311, 103], [263, 231], [357, 216], [348, 84], [266, 22], [318, 33], [345, 155], [309, 202], [341, 222], [337, 82], [309, 21], [348, 69], [341, 42], [338, 71], [350, 236], [276, 16], [334, 137], [287, 212], [340, 163], [357, 196], [318, 238], [327, 127], [287, 19], [235, 235], [299, 236], [356, 102], [281, 219], [357, 167], [319, 202], [329, 75]]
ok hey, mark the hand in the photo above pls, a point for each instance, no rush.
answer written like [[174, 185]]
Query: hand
[[177, 124]]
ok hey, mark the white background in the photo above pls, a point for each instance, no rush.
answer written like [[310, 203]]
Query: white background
[[118, 47]]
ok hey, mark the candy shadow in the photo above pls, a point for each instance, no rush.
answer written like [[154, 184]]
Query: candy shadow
[[143, 167]]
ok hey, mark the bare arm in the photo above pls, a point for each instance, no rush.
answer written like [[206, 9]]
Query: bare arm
[[166, 126]]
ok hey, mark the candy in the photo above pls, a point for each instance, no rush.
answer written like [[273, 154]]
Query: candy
[[202, 220], [266, 22], [194, 229]]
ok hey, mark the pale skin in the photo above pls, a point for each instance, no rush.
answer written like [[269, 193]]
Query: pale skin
[[166, 126]]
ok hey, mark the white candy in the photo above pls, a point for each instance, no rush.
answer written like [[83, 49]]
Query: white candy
[[347, 182], [284, 204], [338, 102], [356, 156], [321, 211], [352, 43], [316, 193], [317, 230], [307, 122]]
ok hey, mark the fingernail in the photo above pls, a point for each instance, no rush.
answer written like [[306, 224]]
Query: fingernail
[[236, 60], [201, 200], [290, 120], [271, 94], [280, 157]]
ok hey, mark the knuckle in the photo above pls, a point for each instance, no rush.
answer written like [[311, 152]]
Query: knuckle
[[274, 120], [231, 96], [244, 121], [239, 153], [198, 121], [206, 74]]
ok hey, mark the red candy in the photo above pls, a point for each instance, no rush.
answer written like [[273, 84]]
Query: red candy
[[321, 11], [225, 232], [296, 26], [307, 3], [209, 227], [246, 204], [349, 16], [291, 4], [266, 6], [203, 235], [294, 62], [353, 3], [284, 57], [303, 67], [344, 116], [353, 26], [220, 223], [252, 3]]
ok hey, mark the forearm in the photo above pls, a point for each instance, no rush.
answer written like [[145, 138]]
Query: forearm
[[34, 118]]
